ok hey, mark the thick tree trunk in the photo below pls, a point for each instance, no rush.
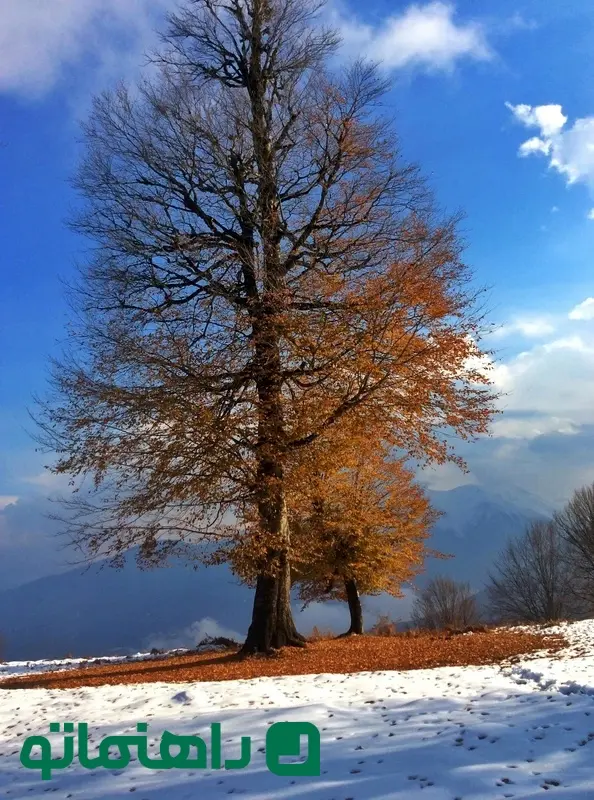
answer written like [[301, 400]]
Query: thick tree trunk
[[355, 608], [272, 624], [272, 620]]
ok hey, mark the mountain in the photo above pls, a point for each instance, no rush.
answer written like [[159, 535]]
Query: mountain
[[102, 611], [475, 527]]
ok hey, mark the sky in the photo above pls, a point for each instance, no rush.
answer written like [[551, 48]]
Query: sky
[[494, 100]]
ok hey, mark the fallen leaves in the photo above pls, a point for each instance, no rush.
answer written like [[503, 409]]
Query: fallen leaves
[[354, 654]]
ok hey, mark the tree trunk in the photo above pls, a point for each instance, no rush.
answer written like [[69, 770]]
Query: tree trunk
[[355, 609], [272, 619], [272, 624]]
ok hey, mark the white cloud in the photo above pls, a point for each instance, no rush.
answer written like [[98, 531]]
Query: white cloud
[[550, 119], [573, 343], [192, 635], [544, 439], [444, 477], [422, 35], [6, 501], [47, 481], [529, 327], [548, 388], [534, 328], [584, 310], [540, 440], [534, 145], [590, 214], [570, 150], [42, 40], [519, 428], [39, 40], [518, 22]]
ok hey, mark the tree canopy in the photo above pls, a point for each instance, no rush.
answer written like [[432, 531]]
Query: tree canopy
[[264, 268]]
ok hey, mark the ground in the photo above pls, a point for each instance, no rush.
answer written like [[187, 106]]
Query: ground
[[515, 729], [330, 655]]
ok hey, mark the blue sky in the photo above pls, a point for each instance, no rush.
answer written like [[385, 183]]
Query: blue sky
[[473, 84]]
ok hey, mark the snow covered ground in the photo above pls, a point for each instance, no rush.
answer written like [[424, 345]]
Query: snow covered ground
[[11, 668], [473, 733]]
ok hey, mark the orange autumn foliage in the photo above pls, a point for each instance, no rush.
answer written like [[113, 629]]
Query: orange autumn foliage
[[365, 521], [357, 515]]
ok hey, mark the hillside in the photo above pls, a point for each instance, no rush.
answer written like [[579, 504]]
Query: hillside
[[108, 611], [102, 610]]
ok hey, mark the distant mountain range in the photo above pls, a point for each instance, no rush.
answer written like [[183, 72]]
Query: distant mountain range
[[475, 527], [102, 611]]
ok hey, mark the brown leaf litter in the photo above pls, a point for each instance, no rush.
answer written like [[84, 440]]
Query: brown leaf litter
[[352, 654]]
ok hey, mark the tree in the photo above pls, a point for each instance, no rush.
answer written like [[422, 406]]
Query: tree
[[575, 525], [445, 603], [265, 268], [531, 581], [359, 528]]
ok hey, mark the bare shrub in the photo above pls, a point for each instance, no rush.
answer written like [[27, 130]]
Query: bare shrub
[[384, 626], [218, 641], [445, 603], [318, 635]]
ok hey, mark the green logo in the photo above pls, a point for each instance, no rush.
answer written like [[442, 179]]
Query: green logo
[[283, 740]]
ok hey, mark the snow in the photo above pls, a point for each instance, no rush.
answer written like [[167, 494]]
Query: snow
[[572, 672], [12, 668], [59, 665], [474, 733]]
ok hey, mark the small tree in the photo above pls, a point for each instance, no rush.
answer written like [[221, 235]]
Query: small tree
[[358, 523], [445, 603], [360, 530], [532, 578]]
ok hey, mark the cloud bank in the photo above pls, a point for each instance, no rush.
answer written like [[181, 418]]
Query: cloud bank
[[535, 327], [192, 635], [584, 310], [42, 42]]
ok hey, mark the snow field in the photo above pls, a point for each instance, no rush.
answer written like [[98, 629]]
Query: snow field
[[473, 733]]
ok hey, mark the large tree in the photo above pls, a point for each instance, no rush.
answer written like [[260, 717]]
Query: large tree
[[264, 267]]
